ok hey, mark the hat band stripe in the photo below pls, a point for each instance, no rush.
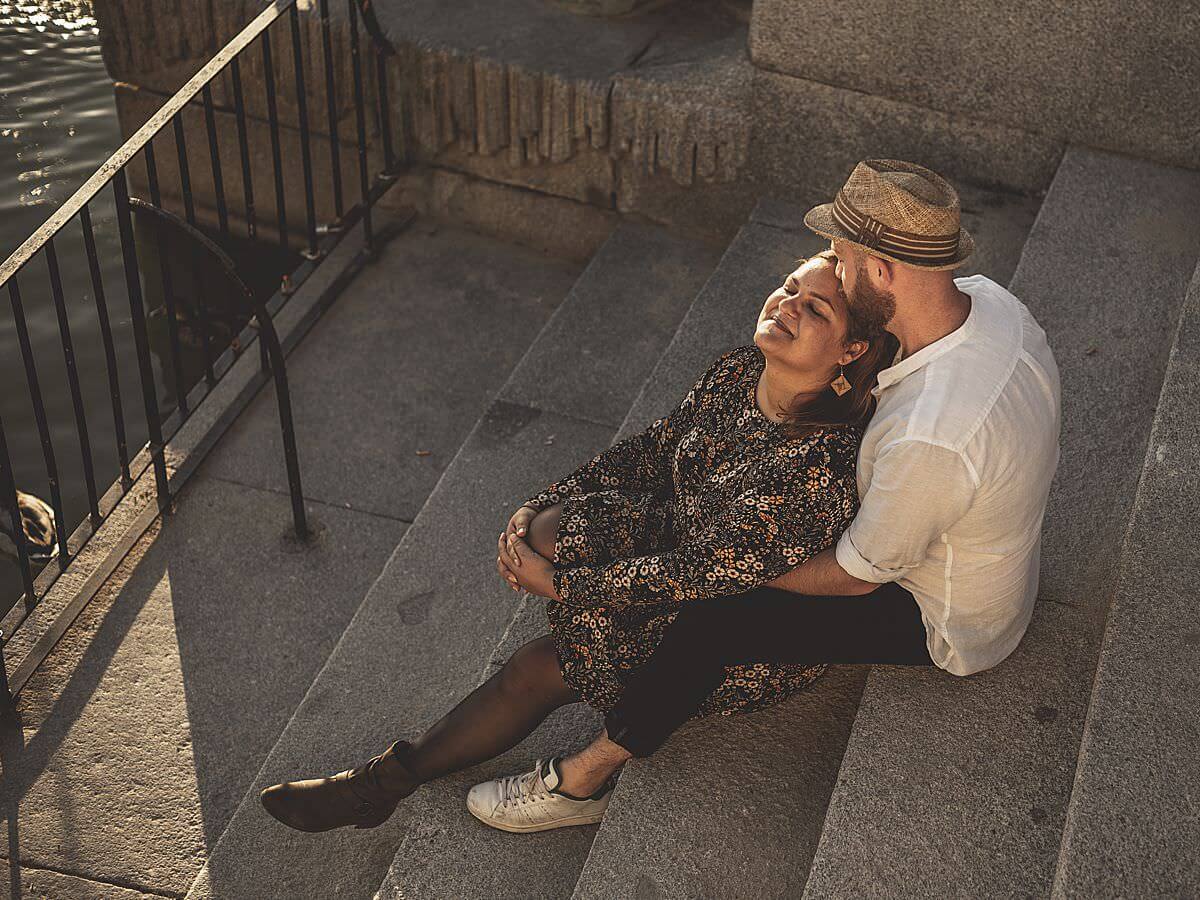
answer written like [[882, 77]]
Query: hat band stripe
[[852, 212], [874, 234], [855, 225]]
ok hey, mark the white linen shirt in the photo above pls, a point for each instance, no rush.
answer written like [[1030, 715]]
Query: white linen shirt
[[953, 474]]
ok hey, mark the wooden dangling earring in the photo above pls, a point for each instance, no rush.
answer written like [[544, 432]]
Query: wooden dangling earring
[[840, 385]]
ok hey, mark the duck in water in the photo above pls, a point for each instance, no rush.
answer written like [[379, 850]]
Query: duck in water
[[37, 518]]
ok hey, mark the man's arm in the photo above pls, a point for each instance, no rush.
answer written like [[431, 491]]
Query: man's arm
[[821, 576], [917, 491]]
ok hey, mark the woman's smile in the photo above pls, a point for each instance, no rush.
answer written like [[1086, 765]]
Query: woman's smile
[[781, 325]]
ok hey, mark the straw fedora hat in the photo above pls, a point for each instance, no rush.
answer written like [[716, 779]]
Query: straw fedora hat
[[899, 211]]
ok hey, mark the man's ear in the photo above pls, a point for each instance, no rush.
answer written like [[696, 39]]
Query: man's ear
[[885, 270]]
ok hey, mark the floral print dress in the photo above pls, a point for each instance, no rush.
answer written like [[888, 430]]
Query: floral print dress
[[714, 499]]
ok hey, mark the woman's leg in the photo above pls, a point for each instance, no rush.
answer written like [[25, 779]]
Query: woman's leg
[[494, 717], [497, 715], [502, 711]]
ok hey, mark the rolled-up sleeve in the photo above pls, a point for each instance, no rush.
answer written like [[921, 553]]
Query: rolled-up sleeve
[[918, 490]]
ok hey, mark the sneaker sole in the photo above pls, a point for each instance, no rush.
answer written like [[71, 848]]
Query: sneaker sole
[[545, 826]]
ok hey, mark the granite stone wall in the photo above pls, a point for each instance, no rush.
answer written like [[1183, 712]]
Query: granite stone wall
[[1122, 75]]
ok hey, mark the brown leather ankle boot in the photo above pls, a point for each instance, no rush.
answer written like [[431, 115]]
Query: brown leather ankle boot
[[364, 797]]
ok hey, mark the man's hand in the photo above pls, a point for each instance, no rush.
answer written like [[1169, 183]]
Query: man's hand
[[522, 567]]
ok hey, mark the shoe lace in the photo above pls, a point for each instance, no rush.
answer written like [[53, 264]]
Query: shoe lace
[[524, 788]]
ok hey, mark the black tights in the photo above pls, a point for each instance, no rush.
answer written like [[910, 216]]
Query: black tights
[[497, 715]]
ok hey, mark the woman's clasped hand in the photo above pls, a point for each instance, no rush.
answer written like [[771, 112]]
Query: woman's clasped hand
[[518, 563]]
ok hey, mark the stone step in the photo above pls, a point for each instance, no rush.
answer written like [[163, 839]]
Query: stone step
[[430, 622], [1131, 827], [959, 786], [732, 806]]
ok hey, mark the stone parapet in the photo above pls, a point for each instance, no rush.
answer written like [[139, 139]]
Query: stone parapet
[[1115, 75]]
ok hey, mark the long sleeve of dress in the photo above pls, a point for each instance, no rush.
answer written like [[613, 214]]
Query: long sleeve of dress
[[798, 499], [641, 462]]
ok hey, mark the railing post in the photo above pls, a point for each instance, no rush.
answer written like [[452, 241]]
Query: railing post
[[8, 484], [335, 155], [39, 416], [68, 347], [276, 151], [168, 284], [138, 313], [214, 157], [360, 116], [106, 338], [310, 205]]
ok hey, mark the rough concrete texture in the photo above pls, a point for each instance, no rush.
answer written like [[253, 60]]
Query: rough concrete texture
[[602, 7], [977, 806], [1123, 76], [406, 362], [138, 735], [626, 307], [542, 222], [410, 632], [808, 136], [44, 884], [780, 765], [534, 80], [730, 806], [1132, 826]]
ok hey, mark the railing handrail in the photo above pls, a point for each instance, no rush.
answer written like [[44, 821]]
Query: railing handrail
[[127, 151], [272, 348], [113, 173]]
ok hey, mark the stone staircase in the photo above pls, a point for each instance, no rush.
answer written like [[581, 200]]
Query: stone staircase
[[880, 782], [1033, 778]]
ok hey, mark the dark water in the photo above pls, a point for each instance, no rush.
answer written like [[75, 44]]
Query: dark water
[[58, 124]]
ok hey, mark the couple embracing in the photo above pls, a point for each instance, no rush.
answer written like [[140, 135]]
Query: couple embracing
[[862, 484]]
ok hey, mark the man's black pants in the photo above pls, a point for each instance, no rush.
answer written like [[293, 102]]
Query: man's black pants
[[762, 625]]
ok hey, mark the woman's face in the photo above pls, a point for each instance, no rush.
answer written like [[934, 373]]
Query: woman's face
[[804, 323]]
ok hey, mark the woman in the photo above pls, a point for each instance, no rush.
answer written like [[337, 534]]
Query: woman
[[750, 475]]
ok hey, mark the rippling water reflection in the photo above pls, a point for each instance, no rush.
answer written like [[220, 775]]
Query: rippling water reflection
[[58, 123], [57, 117]]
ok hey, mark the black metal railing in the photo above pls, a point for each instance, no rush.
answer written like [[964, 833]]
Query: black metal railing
[[160, 228]]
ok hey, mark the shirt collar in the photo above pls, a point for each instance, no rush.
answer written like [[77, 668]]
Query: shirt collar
[[902, 368]]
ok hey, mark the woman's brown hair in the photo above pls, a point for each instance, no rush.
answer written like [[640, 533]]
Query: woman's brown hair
[[856, 406]]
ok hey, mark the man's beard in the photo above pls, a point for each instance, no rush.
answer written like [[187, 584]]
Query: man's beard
[[872, 306]]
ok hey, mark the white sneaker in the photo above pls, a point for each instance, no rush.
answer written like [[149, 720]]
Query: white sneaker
[[529, 802]]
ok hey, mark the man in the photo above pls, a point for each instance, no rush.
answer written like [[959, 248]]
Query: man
[[940, 565]]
